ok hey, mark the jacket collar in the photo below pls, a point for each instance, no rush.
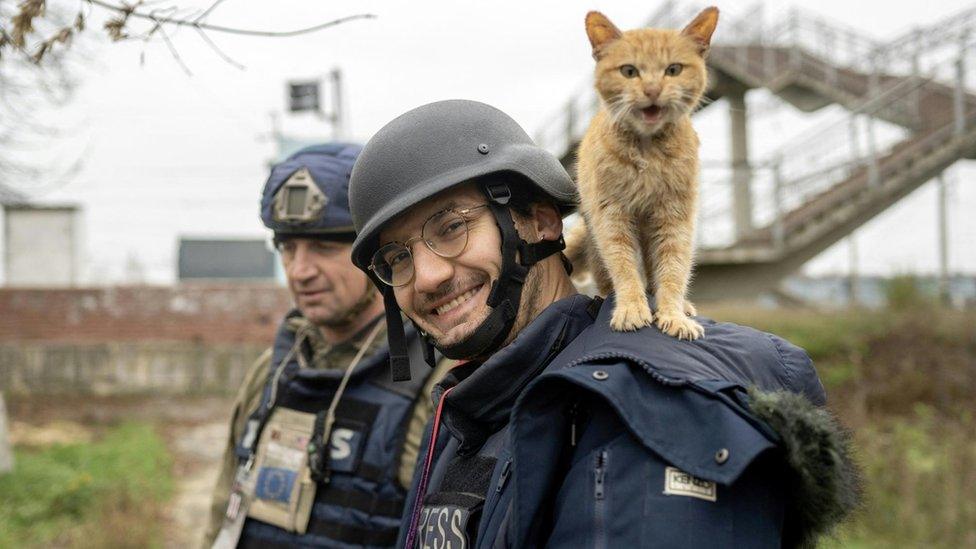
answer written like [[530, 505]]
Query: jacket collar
[[314, 358], [484, 394]]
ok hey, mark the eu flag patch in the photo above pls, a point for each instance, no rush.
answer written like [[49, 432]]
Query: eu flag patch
[[275, 484]]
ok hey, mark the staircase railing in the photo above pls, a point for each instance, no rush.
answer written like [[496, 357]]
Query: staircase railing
[[831, 153], [899, 73], [814, 43]]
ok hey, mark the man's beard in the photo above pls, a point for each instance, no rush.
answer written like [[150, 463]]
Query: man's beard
[[350, 315], [529, 304], [448, 289]]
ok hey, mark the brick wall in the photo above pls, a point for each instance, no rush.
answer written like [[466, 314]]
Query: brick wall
[[188, 313], [135, 339]]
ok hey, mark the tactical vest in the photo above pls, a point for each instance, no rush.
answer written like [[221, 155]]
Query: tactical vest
[[361, 503]]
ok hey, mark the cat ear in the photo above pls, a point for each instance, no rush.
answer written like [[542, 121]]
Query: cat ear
[[600, 31], [701, 28]]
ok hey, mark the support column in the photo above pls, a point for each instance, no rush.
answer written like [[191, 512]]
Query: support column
[[779, 230], [741, 170], [959, 95], [875, 91]]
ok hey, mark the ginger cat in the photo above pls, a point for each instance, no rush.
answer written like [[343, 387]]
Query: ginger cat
[[638, 170]]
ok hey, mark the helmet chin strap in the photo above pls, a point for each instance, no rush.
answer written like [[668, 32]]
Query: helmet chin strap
[[504, 298], [506, 292]]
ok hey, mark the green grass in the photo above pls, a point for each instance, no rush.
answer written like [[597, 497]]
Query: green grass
[[101, 494], [904, 380], [920, 488]]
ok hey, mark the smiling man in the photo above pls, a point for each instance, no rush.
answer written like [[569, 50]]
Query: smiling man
[[322, 444], [558, 431]]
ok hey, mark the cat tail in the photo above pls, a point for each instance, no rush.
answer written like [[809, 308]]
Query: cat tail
[[576, 245]]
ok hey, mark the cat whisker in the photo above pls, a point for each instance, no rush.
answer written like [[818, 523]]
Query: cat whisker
[[617, 108]]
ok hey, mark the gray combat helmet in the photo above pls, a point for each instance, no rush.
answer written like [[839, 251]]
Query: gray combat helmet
[[434, 147]]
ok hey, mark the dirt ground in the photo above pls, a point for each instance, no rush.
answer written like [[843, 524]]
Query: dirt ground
[[195, 430]]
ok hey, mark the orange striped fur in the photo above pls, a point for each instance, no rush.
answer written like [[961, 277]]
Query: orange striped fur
[[638, 170]]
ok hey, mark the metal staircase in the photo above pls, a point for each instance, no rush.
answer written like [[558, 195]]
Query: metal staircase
[[822, 185]]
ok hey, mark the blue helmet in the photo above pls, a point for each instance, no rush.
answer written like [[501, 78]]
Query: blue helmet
[[308, 194]]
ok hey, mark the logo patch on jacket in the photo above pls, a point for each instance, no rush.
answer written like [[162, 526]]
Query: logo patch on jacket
[[443, 526], [680, 483]]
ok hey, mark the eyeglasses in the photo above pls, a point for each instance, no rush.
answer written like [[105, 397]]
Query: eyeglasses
[[445, 233]]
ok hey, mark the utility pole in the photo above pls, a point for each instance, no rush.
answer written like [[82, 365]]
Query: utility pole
[[337, 116], [306, 96], [852, 275], [943, 206]]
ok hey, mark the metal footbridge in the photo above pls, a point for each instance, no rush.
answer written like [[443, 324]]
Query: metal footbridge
[[907, 113]]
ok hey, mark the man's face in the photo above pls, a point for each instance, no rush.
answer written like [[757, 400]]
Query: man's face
[[322, 279], [447, 297]]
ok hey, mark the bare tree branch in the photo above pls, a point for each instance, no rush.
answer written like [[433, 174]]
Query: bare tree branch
[[126, 10], [207, 11], [218, 51], [172, 50], [28, 13]]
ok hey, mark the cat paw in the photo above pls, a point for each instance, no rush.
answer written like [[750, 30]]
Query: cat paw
[[677, 324], [690, 309], [630, 316]]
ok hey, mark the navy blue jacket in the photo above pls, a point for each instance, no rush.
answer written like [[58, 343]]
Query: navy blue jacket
[[578, 436]]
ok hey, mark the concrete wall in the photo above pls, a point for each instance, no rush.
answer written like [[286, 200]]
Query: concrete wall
[[123, 368], [129, 340]]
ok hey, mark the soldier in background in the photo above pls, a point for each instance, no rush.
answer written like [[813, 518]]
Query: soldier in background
[[322, 443]]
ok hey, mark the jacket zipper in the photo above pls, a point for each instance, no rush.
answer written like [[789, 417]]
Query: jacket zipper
[[503, 476], [492, 498], [599, 504]]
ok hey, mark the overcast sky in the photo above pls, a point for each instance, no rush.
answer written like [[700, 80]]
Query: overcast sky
[[168, 154]]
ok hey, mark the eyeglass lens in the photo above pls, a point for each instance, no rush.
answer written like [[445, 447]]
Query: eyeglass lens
[[445, 233]]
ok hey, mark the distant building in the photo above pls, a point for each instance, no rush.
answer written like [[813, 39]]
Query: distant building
[[41, 245], [240, 260]]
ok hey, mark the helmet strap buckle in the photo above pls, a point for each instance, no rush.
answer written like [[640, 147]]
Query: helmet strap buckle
[[498, 192]]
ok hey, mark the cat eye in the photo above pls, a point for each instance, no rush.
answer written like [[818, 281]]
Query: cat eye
[[629, 71], [674, 69]]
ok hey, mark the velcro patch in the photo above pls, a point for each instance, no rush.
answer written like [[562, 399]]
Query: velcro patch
[[680, 483], [275, 484], [346, 446]]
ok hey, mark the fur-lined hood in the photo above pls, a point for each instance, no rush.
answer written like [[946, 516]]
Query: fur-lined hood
[[825, 482]]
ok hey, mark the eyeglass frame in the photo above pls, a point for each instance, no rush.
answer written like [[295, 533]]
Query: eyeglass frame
[[408, 244]]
